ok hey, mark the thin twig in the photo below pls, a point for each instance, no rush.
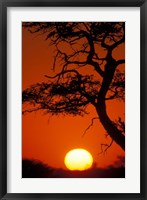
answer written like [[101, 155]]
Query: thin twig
[[92, 121], [107, 146]]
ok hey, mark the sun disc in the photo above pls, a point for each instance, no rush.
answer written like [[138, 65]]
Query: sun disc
[[78, 159]]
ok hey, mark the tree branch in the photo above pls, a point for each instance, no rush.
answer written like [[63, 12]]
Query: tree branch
[[106, 147], [120, 62], [64, 72], [92, 121]]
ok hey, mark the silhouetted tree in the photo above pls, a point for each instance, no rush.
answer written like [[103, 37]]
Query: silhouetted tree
[[71, 89], [35, 169]]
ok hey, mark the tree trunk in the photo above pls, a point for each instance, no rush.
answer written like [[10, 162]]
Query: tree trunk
[[109, 126]]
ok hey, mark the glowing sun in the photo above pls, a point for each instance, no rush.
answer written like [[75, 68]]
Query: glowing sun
[[78, 159]]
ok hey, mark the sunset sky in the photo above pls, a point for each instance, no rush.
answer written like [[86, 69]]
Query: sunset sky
[[48, 138]]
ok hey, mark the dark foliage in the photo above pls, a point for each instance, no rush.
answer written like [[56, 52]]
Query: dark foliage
[[36, 169]]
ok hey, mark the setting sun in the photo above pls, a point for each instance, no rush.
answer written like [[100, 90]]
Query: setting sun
[[78, 159]]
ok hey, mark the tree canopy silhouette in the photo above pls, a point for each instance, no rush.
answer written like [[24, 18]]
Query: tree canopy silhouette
[[73, 88]]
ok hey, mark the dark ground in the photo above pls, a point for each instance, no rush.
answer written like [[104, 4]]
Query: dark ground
[[37, 169]]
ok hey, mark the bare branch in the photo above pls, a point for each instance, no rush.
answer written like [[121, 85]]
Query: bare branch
[[86, 26], [64, 72], [96, 67], [120, 62], [105, 147], [92, 121]]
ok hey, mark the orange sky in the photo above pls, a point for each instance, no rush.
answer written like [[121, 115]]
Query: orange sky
[[47, 138]]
